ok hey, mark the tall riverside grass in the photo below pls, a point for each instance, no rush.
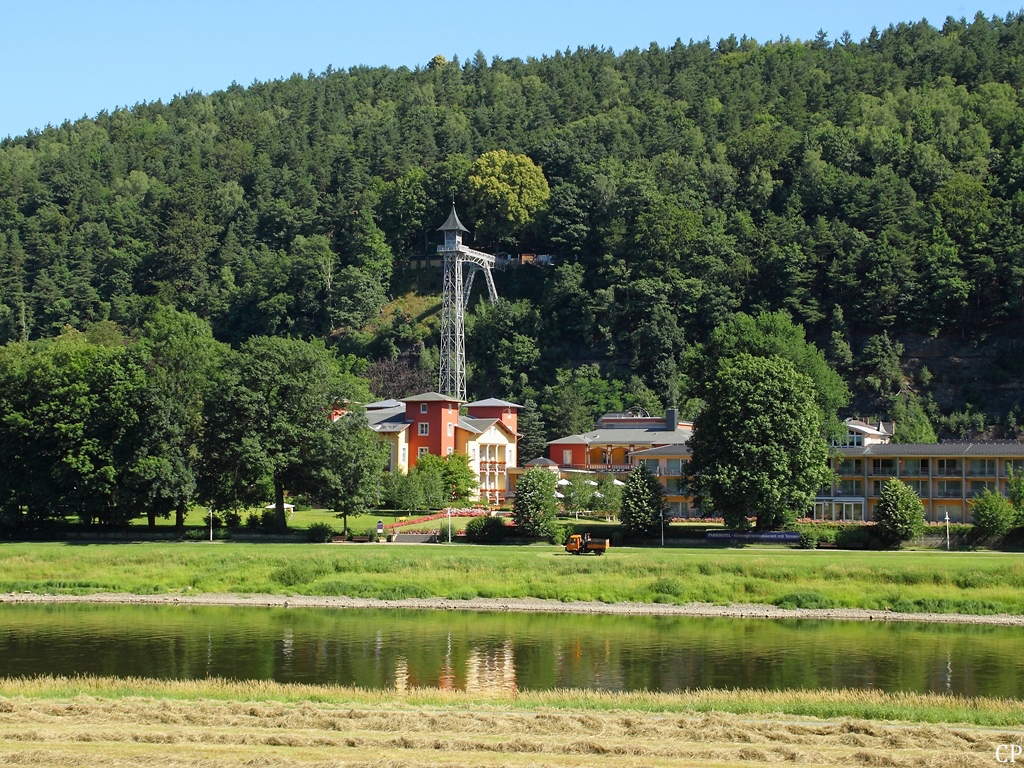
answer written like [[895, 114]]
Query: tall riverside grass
[[956, 582], [825, 704]]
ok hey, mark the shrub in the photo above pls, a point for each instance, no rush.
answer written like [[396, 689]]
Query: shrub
[[485, 530], [534, 505], [899, 516], [805, 600], [318, 533], [808, 540], [252, 521], [559, 535], [854, 537], [993, 514], [232, 519]]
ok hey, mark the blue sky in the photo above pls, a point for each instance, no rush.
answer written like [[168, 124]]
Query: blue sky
[[62, 59]]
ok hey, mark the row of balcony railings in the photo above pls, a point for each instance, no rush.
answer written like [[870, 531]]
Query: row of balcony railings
[[943, 489], [940, 469]]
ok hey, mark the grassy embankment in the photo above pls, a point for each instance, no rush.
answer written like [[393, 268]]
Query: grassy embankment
[[119, 722], [951, 582]]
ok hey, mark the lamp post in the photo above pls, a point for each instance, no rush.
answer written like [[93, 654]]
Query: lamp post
[[947, 530], [211, 523], [449, 511], [663, 526]]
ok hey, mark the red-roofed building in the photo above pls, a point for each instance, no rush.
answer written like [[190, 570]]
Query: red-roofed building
[[432, 423]]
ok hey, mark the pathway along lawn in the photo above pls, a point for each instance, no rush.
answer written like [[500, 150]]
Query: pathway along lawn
[[975, 583], [221, 724]]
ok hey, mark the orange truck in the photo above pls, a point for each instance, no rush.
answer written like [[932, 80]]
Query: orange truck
[[581, 544]]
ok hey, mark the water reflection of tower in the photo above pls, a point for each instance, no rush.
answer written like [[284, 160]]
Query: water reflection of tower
[[492, 669], [446, 681]]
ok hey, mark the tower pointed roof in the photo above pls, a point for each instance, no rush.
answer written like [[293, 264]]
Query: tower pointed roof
[[452, 222]]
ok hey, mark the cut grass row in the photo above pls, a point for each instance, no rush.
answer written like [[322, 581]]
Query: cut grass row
[[216, 723], [824, 704], [955, 582]]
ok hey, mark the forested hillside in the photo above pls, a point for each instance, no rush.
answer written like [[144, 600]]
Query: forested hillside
[[872, 190]]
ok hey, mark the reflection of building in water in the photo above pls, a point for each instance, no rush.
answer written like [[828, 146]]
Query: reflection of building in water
[[487, 670], [493, 669], [401, 675]]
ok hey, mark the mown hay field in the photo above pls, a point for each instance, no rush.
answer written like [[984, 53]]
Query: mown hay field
[[221, 724]]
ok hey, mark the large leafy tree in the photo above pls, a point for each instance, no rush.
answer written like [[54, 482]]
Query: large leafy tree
[[511, 188], [71, 431], [766, 335], [758, 449], [269, 422], [643, 503], [348, 480], [181, 357]]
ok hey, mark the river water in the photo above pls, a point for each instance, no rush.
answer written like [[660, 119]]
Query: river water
[[481, 651]]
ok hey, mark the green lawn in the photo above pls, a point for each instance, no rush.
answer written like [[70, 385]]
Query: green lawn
[[955, 582]]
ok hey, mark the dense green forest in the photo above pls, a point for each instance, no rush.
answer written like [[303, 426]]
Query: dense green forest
[[871, 190]]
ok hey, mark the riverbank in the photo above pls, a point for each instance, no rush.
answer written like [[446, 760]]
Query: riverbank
[[521, 605], [973, 587], [220, 724]]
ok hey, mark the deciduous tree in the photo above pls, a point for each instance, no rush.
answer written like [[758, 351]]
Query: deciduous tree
[[534, 507], [643, 503], [758, 449], [899, 516]]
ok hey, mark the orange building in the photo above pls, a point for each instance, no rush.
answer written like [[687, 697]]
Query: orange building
[[433, 423]]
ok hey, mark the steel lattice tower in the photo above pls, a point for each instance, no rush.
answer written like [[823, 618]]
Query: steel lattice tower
[[455, 297]]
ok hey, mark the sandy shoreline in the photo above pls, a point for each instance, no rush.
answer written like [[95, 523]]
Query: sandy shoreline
[[521, 605]]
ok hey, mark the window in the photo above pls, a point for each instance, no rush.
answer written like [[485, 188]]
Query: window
[[678, 487], [567, 457], [422, 451], [851, 488], [920, 487], [915, 467], [876, 487], [405, 454], [947, 467], [451, 429], [955, 512], [983, 467], [852, 438], [423, 407], [851, 467], [883, 466], [424, 428], [949, 489], [651, 464], [674, 467], [978, 487], [450, 450]]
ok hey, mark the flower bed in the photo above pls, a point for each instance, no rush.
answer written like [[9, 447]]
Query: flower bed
[[392, 527]]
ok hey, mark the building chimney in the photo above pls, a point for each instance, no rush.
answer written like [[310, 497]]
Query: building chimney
[[671, 419]]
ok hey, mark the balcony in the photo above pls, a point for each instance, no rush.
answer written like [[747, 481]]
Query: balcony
[[948, 472], [599, 467]]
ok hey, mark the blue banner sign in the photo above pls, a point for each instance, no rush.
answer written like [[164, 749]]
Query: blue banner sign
[[751, 536]]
